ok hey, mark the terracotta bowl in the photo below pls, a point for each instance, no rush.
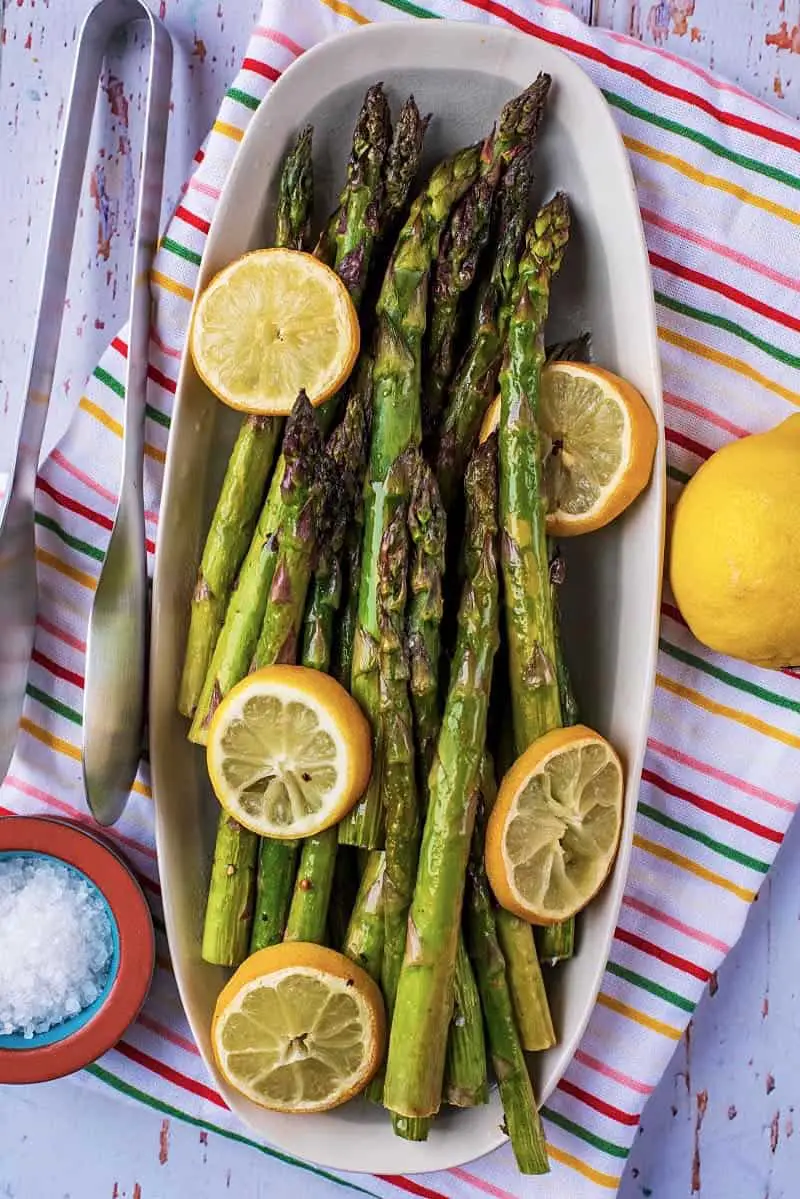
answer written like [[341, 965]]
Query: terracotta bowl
[[82, 1039]]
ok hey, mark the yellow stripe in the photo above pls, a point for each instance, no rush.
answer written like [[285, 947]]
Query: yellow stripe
[[48, 739], [676, 859], [71, 572], [734, 364], [344, 10], [632, 1013], [709, 705], [103, 417], [100, 414], [177, 289], [706, 180], [228, 130], [566, 1159], [67, 748]]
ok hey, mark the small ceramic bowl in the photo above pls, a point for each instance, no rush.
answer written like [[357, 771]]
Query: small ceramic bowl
[[82, 1039]]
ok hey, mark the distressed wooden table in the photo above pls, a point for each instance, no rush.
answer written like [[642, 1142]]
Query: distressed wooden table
[[722, 1122]]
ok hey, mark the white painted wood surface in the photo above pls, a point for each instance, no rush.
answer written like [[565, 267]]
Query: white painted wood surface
[[721, 1125]]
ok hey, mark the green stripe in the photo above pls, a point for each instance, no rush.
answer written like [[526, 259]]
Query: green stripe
[[180, 251], [160, 418], [103, 375], [721, 322], [166, 1109], [678, 476], [74, 543], [53, 704], [646, 984], [733, 680], [589, 1137], [694, 834], [741, 160], [235, 93], [413, 10]]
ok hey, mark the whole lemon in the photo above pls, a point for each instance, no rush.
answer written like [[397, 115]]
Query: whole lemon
[[735, 551]]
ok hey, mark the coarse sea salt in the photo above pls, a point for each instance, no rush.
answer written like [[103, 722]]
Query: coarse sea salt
[[55, 944]]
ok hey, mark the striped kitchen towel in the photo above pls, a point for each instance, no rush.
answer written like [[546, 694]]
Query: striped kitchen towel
[[716, 173]]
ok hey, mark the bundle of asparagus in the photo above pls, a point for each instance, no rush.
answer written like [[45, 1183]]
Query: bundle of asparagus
[[339, 556]]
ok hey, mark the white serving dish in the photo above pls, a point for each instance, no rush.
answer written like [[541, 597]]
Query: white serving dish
[[612, 594]]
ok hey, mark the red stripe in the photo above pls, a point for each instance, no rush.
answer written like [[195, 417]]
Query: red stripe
[[190, 218], [606, 1109], [777, 136], [663, 955], [199, 156], [713, 809], [61, 672], [120, 346], [261, 68], [161, 379], [174, 1076], [724, 289], [65, 501], [687, 443], [413, 1188]]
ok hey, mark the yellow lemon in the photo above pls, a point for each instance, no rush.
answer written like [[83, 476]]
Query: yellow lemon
[[734, 561], [299, 1028]]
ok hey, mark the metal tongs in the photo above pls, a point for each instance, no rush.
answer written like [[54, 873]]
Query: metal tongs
[[114, 687]]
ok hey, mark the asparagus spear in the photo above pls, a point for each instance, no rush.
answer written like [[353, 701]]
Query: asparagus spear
[[399, 785], [426, 521], [475, 383], [229, 911], [467, 235], [402, 163], [346, 451], [401, 314], [534, 686], [301, 494], [516, 1093], [277, 867], [465, 1081], [237, 641], [556, 943], [242, 492], [424, 1003], [364, 941]]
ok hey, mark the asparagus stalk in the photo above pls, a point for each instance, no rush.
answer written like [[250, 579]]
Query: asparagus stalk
[[526, 573], [525, 983], [556, 942], [516, 1093], [401, 315], [346, 452], [402, 163], [226, 932], [277, 867], [364, 941], [465, 1081], [467, 235], [242, 492], [237, 642], [426, 520], [424, 1003], [475, 383], [346, 877]]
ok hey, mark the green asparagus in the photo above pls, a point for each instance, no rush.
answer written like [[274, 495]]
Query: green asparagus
[[363, 943], [465, 1080], [417, 1045], [516, 1093], [277, 867], [401, 315], [246, 477], [402, 163], [466, 237], [229, 912]]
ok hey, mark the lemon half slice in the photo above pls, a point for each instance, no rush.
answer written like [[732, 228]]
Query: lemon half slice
[[299, 1028], [598, 442], [289, 752], [554, 830], [271, 324]]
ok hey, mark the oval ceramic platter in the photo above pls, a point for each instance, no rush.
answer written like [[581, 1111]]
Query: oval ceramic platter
[[612, 593]]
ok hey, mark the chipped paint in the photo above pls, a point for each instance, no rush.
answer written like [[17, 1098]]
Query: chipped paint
[[782, 39], [701, 1100], [163, 1143], [774, 1131]]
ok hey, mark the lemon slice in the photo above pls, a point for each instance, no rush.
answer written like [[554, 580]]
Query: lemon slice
[[598, 443], [299, 1028], [272, 324], [289, 752], [554, 830]]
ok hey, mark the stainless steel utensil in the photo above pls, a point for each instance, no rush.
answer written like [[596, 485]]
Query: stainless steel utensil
[[114, 690]]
